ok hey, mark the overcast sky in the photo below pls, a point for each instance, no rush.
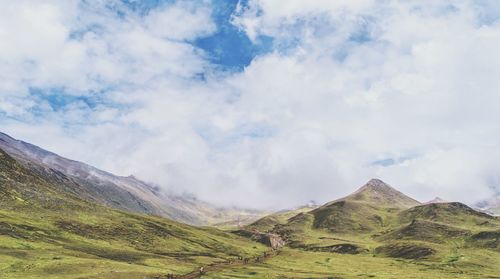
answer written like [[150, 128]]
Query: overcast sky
[[261, 103]]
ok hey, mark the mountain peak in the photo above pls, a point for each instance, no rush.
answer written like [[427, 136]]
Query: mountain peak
[[376, 185], [436, 200], [381, 193]]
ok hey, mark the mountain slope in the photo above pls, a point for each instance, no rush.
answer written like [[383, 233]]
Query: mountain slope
[[491, 205], [124, 193], [379, 193], [452, 213], [268, 222], [371, 207], [48, 232], [420, 230], [435, 200], [381, 220]]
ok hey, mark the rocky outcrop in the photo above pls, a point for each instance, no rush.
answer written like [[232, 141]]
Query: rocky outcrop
[[270, 239]]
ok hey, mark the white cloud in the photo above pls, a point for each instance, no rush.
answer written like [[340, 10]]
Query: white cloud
[[348, 83], [69, 44], [181, 21]]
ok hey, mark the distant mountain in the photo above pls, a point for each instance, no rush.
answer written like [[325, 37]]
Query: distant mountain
[[367, 209], [436, 200], [491, 205], [494, 211], [48, 230], [379, 219], [58, 234], [451, 213], [281, 217], [124, 193], [381, 194]]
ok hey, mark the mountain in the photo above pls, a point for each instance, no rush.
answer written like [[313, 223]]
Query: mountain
[[494, 211], [436, 200], [452, 213], [369, 208], [281, 217], [47, 231], [377, 219], [124, 193], [491, 205], [372, 206], [379, 193]]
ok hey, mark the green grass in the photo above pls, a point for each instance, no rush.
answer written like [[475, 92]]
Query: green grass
[[40, 245], [268, 222], [46, 232], [293, 263], [366, 240]]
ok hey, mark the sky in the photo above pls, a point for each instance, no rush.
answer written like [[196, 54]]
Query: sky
[[261, 103]]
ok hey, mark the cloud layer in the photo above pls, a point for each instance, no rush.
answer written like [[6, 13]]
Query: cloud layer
[[397, 90]]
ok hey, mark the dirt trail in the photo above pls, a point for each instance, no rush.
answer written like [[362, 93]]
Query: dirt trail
[[221, 266]]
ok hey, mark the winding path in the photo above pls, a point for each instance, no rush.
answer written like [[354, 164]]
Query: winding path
[[221, 266]]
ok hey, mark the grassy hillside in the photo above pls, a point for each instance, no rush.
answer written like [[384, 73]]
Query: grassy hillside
[[377, 232], [119, 192], [449, 213], [46, 232], [294, 263], [348, 216], [378, 193], [268, 222]]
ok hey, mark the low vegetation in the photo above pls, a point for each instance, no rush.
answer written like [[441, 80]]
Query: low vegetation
[[48, 232], [379, 233]]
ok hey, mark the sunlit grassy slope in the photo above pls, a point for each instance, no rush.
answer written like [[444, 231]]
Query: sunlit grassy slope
[[294, 263], [48, 233], [268, 222], [379, 233]]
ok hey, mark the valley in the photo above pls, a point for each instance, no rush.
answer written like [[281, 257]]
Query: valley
[[51, 226]]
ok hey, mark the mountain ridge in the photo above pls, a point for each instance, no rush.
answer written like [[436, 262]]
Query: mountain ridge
[[376, 191], [378, 214], [121, 192], [48, 232], [436, 200], [53, 231], [491, 205]]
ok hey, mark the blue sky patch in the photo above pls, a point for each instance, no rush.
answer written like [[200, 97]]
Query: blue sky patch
[[229, 46], [387, 162], [364, 32], [58, 99], [488, 11], [144, 6]]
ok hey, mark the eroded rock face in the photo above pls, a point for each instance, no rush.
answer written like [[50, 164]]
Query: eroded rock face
[[272, 240]]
